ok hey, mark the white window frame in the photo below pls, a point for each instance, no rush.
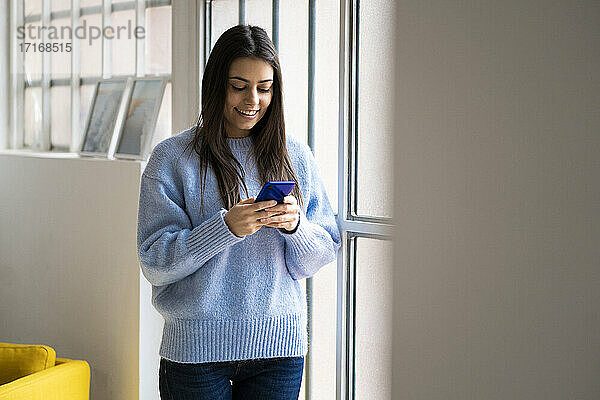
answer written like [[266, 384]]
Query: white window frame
[[351, 224]]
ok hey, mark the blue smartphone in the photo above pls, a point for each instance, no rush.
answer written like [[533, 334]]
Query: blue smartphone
[[275, 190]]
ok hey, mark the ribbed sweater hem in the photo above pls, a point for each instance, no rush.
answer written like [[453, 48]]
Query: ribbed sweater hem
[[197, 341]]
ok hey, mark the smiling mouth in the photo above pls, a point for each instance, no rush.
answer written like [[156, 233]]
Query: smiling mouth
[[246, 113]]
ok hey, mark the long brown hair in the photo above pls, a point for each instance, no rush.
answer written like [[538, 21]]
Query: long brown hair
[[268, 135]]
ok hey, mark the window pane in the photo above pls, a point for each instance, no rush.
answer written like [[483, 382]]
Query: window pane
[[87, 3], [293, 46], [375, 108], [123, 43], [158, 40], [59, 5], [33, 58], [33, 115], [163, 123], [323, 349], [33, 7], [327, 95], [374, 289], [90, 63], [60, 124], [259, 13], [224, 16], [85, 97], [61, 60]]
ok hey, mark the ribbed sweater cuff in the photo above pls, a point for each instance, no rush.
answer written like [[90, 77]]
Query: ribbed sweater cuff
[[212, 237], [301, 240]]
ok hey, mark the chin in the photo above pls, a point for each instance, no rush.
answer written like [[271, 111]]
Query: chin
[[250, 125], [246, 127]]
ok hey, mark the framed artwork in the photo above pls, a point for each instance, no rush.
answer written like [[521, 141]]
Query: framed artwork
[[143, 105], [103, 118]]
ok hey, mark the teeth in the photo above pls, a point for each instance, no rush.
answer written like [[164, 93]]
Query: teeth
[[249, 112]]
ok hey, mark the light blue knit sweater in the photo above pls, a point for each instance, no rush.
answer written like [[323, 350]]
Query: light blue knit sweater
[[224, 297]]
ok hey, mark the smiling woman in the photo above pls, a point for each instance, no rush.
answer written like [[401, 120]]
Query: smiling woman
[[225, 268]]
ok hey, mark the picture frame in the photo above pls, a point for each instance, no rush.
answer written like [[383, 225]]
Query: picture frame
[[135, 134], [103, 118]]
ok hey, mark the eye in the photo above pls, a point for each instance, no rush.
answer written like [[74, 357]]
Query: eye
[[264, 90], [237, 88]]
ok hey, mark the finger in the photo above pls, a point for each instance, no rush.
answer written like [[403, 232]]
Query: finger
[[285, 208], [249, 200], [275, 213], [274, 225], [258, 215], [277, 219], [284, 225], [289, 211], [278, 208], [261, 205]]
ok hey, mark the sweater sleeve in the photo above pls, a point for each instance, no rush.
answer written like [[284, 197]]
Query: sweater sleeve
[[316, 239], [169, 247]]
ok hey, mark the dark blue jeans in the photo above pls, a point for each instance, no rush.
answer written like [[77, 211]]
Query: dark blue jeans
[[268, 378]]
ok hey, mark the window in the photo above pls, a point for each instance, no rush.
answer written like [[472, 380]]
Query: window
[[66, 46], [337, 65]]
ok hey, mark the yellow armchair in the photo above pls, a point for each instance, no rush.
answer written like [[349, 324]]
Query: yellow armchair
[[33, 372]]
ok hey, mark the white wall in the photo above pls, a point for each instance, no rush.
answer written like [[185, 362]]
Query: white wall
[[497, 200], [69, 275]]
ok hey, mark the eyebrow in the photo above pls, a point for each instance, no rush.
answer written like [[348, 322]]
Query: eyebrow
[[246, 80]]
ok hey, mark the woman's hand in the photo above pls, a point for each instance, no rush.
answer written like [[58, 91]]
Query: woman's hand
[[286, 215], [243, 218]]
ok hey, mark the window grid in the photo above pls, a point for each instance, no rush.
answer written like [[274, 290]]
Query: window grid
[[17, 137], [89, 10], [242, 11], [275, 23], [42, 141], [241, 19], [75, 79], [311, 144], [207, 30], [106, 44], [140, 20]]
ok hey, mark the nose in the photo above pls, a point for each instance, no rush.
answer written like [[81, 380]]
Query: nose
[[252, 97]]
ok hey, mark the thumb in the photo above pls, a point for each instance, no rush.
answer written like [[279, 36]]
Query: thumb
[[249, 200]]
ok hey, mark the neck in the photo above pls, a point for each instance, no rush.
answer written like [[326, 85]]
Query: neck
[[235, 133], [238, 136]]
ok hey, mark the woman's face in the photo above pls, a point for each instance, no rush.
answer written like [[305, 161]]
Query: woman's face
[[249, 93]]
